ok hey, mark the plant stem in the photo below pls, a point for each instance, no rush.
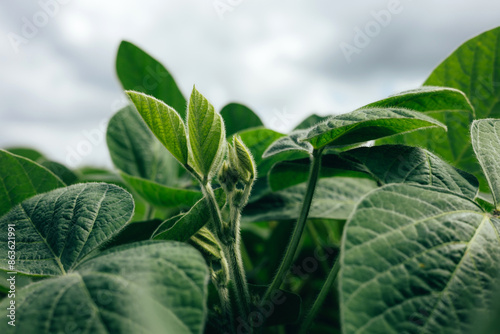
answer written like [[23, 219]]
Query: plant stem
[[299, 226], [213, 207], [238, 279], [315, 236], [234, 249], [224, 297], [327, 286], [230, 247]]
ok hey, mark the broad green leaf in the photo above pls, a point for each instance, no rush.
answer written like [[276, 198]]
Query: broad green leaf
[[334, 198], [56, 230], [183, 227], [160, 195], [405, 164], [416, 260], [133, 232], [486, 143], [238, 117], [21, 178], [139, 72], [386, 164], [448, 106], [453, 146], [142, 288], [21, 281], [27, 153], [489, 322], [310, 121], [474, 68], [291, 143], [206, 135], [96, 174], [367, 124], [64, 173], [135, 151], [426, 99], [258, 140], [164, 122]]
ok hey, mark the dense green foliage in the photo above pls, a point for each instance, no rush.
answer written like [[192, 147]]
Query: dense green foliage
[[381, 220]]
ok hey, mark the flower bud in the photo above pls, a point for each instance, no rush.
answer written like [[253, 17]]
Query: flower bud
[[243, 160]]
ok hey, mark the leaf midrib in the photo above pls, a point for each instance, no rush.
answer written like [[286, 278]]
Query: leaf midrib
[[458, 266]]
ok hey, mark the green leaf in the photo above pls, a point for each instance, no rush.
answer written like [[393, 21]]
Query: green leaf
[[206, 135], [416, 260], [142, 288], [181, 228], [474, 68], [21, 178], [258, 140], [386, 164], [489, 322], [405, 164], [334, 198], [426, 99], [96, 174], [64, 173], [27, 153], [486, 143], [133, 232], [238, 117], [56, 230], [164, 122], [367, 124], [291, 143], [310, 121], [160, 195], [135, 151], [450, 107], [207, 244], [139, 72]]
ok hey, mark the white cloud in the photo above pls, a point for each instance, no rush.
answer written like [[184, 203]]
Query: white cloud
[[272, 56]]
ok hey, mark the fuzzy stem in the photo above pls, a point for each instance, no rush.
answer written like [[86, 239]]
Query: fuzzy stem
[[299, 227], [327, 286], [213, 207], [230, 247], [224, 297]]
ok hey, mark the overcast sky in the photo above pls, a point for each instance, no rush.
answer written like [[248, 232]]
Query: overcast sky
[[284, 59]]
